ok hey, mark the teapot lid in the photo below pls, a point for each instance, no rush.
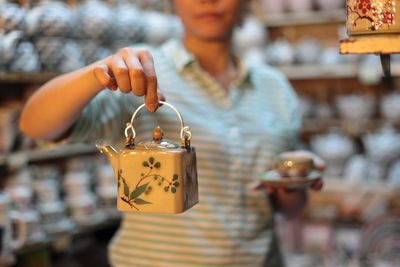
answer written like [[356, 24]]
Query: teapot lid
[[158, 141]]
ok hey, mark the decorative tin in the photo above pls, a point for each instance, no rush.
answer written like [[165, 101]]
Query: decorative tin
[[372, 16], [157, 176]]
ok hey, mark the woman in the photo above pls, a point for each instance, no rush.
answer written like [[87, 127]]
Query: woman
[[241, 118]]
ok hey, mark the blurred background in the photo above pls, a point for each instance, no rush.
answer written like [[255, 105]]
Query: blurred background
[[57, 203]]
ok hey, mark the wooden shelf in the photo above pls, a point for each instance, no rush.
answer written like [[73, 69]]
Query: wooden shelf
[[318, 71], [25, 77], [339, 185], [304, 18], [23, 157]]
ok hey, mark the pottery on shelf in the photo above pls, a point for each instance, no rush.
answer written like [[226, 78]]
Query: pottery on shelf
[[128, 23], [355, 107], [157, 27], [251, 34], [95, 20], [382, 145], [335, 148], [26, 58], [8, 45], [49, 49], [280, 52], [49, 18], [390, 107], [12, 17]]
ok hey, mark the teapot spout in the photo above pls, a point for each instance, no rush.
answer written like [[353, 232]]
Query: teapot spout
[[111, 154]]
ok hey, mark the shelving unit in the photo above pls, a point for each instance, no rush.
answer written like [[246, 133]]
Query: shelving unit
[[28, 78], [24, 157], [303, 18]]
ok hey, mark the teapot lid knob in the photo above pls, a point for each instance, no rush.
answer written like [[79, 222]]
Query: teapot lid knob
[[158, 134]]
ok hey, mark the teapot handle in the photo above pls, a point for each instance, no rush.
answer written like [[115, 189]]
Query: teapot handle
[[185, 133]]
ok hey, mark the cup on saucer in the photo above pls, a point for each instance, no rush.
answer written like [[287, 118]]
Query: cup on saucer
[[290, 165]]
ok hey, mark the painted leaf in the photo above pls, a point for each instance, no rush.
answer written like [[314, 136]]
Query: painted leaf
[[141, 201], [145, 164], [138, 191], [126, 190], [175, 177], [157, 165], [166, 189], [173, 189], [176, 184], [151, 160]]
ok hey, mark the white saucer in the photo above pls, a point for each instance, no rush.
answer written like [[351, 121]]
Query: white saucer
[[274, 179]]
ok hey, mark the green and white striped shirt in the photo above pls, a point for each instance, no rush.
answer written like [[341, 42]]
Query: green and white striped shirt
[[236, 134]]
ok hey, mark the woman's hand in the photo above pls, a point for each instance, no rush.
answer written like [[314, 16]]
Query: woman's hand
[[289, 202], [131, 70]]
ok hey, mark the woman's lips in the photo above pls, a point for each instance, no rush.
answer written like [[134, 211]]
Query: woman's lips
[[210, 16]]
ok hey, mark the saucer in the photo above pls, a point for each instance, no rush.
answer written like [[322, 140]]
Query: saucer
[[274, 179]]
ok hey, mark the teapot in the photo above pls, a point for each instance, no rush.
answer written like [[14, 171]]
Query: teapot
[[158, 176]]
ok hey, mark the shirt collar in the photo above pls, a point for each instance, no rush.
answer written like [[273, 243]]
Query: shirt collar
[[175, 51]]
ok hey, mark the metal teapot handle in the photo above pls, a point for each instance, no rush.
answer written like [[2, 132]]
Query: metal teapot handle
[[185, 134]]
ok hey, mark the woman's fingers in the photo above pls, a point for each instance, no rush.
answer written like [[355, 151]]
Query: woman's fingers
[[151, 96], [136, 72], [317, 184], [131, 71], [101, 72], [121, 73]]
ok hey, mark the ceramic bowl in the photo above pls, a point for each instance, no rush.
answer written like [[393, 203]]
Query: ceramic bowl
[[372, 17]]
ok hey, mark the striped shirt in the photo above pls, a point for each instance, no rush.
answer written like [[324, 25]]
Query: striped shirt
[[236, 134]]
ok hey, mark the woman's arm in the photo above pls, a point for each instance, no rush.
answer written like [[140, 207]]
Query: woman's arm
[[54, 108]]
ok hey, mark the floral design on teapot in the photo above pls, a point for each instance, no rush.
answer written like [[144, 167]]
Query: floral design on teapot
[[133, 197], [373, 13]]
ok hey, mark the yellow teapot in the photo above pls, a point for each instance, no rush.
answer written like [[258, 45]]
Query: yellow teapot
[[158, 176]]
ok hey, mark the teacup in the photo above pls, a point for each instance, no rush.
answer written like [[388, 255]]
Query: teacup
[[293, 165]]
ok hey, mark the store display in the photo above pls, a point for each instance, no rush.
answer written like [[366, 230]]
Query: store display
[[344, 93], [167, 179]]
